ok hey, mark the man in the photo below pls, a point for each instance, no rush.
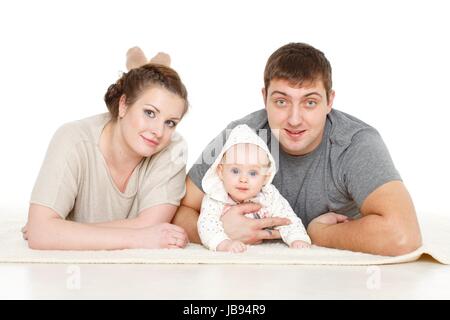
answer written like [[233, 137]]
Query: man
[[334, 169]]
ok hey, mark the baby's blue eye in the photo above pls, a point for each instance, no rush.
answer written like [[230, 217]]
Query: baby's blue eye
[[253, 173], [235, 170]]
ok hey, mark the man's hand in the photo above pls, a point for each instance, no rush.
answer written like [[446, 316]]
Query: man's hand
[[247, 230], [324, 221]]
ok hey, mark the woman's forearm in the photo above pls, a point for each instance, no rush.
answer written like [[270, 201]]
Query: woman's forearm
[[58, 234]]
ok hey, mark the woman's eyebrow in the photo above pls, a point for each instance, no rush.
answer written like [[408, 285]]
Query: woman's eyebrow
[[157, 110]]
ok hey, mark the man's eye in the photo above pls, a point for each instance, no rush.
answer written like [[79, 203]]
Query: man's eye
[[311, 103], [235, 170], [149, 113], [280, 102]]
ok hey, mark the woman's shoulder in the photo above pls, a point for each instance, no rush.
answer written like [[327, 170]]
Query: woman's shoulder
[[87, 129]]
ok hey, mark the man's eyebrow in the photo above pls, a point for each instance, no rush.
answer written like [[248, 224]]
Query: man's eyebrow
[[312, 93], [278, 92], [157, 110]]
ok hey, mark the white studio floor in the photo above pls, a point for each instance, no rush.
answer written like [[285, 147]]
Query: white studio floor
[[423, 279]]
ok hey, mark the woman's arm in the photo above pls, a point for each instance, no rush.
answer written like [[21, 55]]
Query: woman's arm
[[47, 231], [146, 218]]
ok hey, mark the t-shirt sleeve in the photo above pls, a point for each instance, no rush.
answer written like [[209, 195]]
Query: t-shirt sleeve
[[56, 186], [208, 156], [164, 180], [366, 165]]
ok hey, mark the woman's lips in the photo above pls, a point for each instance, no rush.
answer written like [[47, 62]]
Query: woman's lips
[[295, 133], [150, 142]]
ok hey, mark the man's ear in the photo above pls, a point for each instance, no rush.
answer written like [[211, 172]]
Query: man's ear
[[264, 95], [122, 106], [330, 100]]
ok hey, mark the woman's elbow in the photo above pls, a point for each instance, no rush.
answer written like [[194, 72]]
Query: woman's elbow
[[37, 239]]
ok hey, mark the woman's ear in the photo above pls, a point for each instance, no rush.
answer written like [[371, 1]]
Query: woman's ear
[[122, 106], [135, 58]]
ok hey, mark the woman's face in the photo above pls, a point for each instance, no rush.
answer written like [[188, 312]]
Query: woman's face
[[148, 124]]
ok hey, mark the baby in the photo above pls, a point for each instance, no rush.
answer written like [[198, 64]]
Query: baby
[[243, 172]]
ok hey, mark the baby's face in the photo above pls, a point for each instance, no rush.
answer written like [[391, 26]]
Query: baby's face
[[244, 171]]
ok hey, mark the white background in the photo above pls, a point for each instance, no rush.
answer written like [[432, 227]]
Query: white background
[[390, 61]]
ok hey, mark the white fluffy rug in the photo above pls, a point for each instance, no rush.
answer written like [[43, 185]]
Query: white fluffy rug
[[13, 249]]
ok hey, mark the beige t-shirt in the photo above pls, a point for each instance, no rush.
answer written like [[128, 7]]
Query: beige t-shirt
[[75, 181]]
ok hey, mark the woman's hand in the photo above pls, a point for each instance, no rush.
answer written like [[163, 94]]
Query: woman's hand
[[25, 232], [161, 236], [247, 230]]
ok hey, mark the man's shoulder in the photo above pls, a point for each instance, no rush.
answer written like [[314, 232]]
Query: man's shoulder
[[347, 129], [255, 120]]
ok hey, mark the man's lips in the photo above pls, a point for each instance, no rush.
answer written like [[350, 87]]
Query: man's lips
[[294, 133], [150, 141]]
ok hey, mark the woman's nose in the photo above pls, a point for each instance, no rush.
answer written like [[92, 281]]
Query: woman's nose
[[158, 130]]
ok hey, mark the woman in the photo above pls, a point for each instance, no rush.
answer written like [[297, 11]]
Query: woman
[[115, 180]]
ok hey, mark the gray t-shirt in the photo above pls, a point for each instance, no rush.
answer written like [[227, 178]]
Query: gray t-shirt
[[351, 162]]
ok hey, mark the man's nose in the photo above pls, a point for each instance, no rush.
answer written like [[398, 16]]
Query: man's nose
[[295, 117]]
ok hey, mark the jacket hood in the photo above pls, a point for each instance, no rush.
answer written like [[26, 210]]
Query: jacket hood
[[212, 184]]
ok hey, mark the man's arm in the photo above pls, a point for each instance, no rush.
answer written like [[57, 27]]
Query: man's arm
[[188, 211], [388, 225]]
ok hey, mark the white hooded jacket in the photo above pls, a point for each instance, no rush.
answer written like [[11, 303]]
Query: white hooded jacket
[[216, 200]]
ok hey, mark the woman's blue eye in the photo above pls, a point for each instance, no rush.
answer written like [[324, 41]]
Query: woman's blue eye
[[253, 173], [235, 170], [149, 113], [171, 123]]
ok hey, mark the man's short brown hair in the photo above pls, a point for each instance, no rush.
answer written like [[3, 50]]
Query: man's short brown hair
[[298, 63]]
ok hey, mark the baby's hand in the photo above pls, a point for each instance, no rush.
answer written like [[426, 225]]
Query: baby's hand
[[232, 246], [298, 244]]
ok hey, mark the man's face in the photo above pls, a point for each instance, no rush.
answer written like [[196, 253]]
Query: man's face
[[299, 114]]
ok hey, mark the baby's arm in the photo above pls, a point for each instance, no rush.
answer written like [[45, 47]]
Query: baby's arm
[[210, 228], [293, 234]]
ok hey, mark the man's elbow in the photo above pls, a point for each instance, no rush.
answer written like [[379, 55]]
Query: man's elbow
[[405, 242]]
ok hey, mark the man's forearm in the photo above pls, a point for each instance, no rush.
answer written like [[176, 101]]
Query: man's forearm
[[371, 234], [187, 219]]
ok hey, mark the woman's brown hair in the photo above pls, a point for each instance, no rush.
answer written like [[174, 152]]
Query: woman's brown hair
[[134, 82]]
